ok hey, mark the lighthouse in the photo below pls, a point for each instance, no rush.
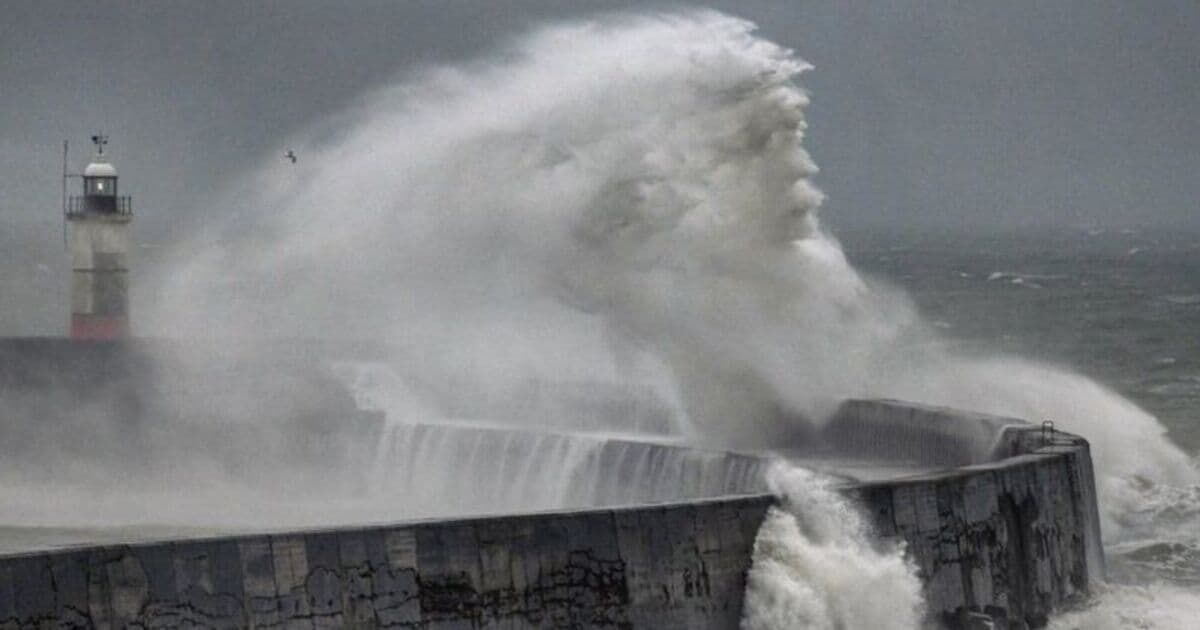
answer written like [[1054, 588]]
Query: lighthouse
[[99, 244]]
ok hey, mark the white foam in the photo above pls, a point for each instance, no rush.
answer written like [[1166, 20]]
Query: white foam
[[617, 200], [1135, 462], [816, 565], [1155, 606], [624, 198]]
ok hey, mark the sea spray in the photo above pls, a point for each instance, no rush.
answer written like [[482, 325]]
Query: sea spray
[[1154, 606], [1137, 466], [816, 565], [377, 387], [623, 199]]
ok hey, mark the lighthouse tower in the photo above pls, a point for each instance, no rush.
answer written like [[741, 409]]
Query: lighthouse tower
[[99, 241]]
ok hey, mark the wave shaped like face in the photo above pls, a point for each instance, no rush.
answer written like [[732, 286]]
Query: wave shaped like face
[[612, 198], [621, 200]]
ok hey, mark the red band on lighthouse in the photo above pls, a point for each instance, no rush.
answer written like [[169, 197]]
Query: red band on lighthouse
[[94, 328]]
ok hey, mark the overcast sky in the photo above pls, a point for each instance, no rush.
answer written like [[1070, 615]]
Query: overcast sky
[[959, 115]]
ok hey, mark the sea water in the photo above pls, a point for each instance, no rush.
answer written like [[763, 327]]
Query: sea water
[[1119, 305]]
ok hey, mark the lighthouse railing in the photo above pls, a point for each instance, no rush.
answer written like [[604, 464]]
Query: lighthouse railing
[[90, 205]]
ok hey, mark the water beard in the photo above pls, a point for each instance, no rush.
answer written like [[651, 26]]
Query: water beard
[[816, 565]]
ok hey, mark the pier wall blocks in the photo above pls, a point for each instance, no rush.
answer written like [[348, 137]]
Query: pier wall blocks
[[1009, 540], [670, 566], [1013, 539], [921, 433]]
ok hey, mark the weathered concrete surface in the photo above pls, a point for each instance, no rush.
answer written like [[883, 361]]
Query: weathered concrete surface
[[673, 566], [1013, 538], [925, 434]]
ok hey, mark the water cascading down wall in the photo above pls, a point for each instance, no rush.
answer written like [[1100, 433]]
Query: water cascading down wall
[[1003, 524]]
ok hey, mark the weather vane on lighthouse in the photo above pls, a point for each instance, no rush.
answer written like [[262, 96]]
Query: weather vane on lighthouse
[[99, 140], [99, 245]]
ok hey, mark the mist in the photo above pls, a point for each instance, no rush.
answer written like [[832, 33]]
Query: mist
[[496, 223]]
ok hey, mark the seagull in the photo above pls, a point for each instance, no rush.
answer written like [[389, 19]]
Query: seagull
[[290, 155]]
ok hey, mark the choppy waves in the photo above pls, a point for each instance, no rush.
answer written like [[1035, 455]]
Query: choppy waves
[[1156, 606]]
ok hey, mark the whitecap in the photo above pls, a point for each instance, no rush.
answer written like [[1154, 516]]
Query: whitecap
[[1157, 606]]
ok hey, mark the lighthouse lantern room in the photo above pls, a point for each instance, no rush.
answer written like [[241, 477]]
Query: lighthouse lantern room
[[99, 244]]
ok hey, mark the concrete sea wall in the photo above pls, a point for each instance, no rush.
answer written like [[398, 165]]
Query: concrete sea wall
[[671, 566], [445, 470], [904, 431], [1007, 530], [1013, 539]]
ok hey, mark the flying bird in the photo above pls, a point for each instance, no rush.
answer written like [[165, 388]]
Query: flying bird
[[290, 155]]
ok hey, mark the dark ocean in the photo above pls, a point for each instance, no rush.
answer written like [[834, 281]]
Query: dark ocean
[[1122, 307]]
